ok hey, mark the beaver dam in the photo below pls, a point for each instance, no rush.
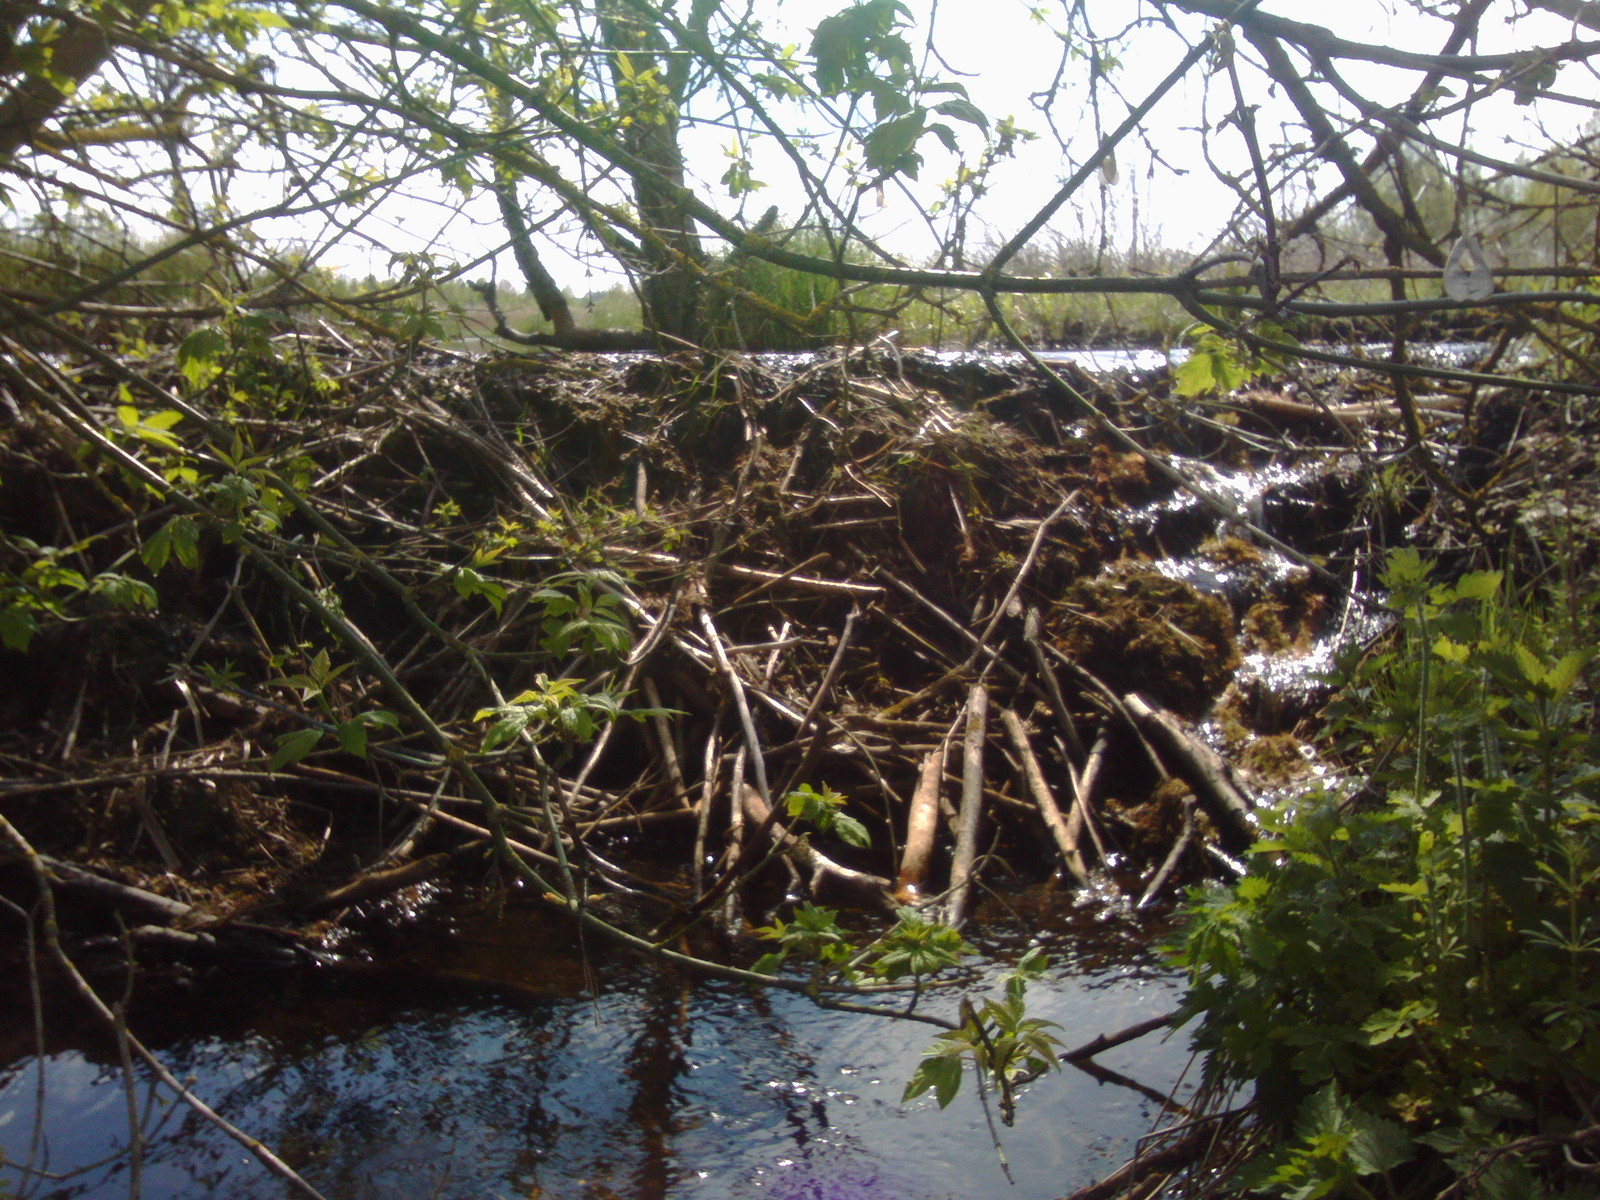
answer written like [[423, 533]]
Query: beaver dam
[[469, 685]]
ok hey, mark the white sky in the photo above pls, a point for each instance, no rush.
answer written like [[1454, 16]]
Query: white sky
[[1002, 54]]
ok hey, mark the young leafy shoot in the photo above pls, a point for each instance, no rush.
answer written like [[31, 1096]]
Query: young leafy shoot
[[1007, 1047], [823, 809]]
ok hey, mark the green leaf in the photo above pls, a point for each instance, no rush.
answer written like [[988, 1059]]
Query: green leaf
[[123, 591], [292, 747], [846, 45], [17, 627], [469, 583], [1194, 377], [1565, 673], [964, 110], [1377, 1144], [353, 733], [1478, 585], [888, 147], [179, 538], [199, 355], [941, 1073], [353, 737], [1214, 365], [508, 729], [851, 831]]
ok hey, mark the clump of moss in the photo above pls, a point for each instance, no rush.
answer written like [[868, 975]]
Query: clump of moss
[[1231, 552], [1141, 631], [1273, 759], [1147, 828]]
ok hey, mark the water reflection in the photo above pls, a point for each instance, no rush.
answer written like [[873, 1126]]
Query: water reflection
[[656, 1089]]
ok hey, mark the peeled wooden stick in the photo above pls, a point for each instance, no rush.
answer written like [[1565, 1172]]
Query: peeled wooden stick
[[1065, 837], [1081, 817], [971, 804], [1179, 849], [922, 826]]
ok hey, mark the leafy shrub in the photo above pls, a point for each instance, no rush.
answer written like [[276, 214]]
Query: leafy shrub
[[1411, 976]]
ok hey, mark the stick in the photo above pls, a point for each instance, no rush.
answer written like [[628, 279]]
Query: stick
[[1107, 1041], [713, 757], [741, 703], [1082, 817], [382, 882], [971, 805], [1179, 1154], [1203, 769], [733, 841], [875, 887], [1030, 633], [1065, 838], [1022, 573], [1173, 857], [922, 825], [809, 758], [148, 906]]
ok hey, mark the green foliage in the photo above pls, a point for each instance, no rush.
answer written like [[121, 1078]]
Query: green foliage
[[45, 586], [822, 809], [1006, 1046], [1415, 978], [314, 685], [582, 612], [813, 934], [1218, 364], [554, 708], [154, 428], [861, 53], [1337, 1144], [918, 947], [914, 946]]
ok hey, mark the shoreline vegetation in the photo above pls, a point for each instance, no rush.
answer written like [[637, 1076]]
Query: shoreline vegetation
[[163, 294]]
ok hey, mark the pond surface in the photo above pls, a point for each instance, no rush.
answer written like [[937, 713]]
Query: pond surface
[[486, 1066]]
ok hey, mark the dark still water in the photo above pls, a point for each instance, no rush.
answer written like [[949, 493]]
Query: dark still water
[[486, 1066]]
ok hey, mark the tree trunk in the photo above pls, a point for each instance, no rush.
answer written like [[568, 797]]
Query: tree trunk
[[541, 285], [670, 252]]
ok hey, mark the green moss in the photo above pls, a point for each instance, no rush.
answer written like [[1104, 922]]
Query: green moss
[[1140, 631]]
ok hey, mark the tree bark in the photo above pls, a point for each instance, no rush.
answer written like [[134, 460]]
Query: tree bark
[[541, 285], [76, 53], [670, 253]]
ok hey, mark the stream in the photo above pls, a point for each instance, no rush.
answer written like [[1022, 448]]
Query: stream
[[481, 1063]]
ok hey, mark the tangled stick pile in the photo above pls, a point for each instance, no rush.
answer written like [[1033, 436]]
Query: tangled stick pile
[[306, 625]]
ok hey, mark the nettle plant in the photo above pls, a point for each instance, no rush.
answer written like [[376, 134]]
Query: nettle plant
[[1410, 976]]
